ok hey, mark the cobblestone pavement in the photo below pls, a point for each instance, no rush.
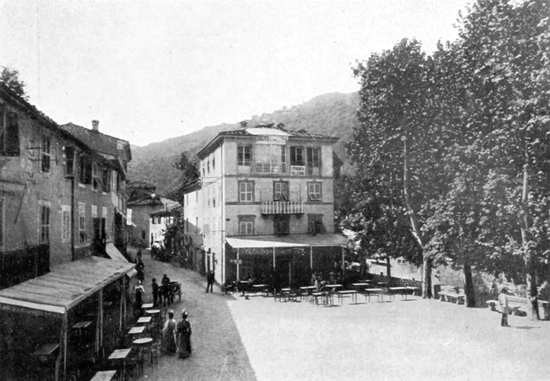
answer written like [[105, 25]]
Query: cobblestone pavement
[[218, 353]]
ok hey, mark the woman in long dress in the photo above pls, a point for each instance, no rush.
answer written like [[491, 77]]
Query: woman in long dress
[[169, 334], [183, 331]]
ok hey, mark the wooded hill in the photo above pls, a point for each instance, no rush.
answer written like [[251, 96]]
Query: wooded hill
[[331, 114]]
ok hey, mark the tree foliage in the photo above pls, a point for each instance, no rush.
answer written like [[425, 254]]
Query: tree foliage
[[458, 142], [10, 79]]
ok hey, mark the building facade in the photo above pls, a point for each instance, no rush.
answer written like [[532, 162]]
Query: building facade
[[258, 185], [143, 203], [62, 211]]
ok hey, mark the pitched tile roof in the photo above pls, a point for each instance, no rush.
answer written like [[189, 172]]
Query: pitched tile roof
[[99, 141]]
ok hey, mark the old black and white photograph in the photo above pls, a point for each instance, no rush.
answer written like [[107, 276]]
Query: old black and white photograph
[[274, 190]]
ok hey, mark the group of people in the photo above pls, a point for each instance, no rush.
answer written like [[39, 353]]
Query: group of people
[[163, 294], [176, 335], [534, 294]]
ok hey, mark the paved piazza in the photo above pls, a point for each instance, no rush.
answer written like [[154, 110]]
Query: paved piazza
[[398, 340]]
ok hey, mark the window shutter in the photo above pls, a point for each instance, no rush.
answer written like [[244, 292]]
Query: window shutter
[[12, 135]]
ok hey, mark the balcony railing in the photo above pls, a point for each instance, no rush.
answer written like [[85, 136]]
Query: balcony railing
[[282, 207], [267, 168]]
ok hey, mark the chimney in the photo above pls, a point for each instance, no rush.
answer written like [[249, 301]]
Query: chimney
[[95, 125]]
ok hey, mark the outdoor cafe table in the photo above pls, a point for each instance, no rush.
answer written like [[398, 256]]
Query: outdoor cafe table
[[333, 286], [136, 331], [104, 375], [342, 294], [144, 320], [377, 291], [46, 351], [141, 345], [360, 285], [398, 290], [260, 287], [147, 306], [155, 314], [120, 355]]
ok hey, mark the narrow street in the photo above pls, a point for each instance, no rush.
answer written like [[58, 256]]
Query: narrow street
[[218, 353]]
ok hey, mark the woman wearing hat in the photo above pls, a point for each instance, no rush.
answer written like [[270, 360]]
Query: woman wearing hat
[[169, 334], [183, 331]]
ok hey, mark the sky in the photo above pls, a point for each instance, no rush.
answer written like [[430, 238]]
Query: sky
[[151, 70]]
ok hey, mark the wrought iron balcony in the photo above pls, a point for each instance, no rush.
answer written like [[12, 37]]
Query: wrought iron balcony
[[282, 207]]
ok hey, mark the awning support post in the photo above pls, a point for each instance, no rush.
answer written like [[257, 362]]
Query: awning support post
[[123, 303], [274, 257], [342, 251], [238, 266], [311, 257], [64, 341]]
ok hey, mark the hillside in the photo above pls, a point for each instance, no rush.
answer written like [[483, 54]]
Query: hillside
[[330, 114]]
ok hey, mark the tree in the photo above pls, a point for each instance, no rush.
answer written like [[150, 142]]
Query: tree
[[10, 79], [393, 148], [505, 57], [187, 163]]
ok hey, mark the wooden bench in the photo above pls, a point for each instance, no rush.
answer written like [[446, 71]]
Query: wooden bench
[[516, 305]]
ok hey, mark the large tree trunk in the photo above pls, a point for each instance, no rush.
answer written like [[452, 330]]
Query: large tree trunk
[[469, 285], [426, 259], [388, 268], [427, 277]]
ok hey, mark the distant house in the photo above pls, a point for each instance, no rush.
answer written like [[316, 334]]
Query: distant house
[[265, 205], [62, 210], [144, 203]]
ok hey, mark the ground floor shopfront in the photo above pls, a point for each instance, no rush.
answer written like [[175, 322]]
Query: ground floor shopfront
[[55, 324], [287, 261]]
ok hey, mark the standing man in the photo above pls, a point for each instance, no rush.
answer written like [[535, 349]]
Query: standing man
[[210, 279], [155, 288], [503, 301]]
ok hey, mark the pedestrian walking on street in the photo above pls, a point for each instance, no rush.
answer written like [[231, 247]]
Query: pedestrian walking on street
[[140, 266], [169, 334], [183, 332], [155, 287], [210, 279], [138, 301], [165, 290]]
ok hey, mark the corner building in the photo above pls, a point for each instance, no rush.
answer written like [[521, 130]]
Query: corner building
[[265, 205]]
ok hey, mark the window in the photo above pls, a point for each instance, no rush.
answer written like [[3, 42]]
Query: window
[[315, 223], [208, 166], [281, 224], [314, 191], [313, 156], [280, 191], [45, 153], [296, 155], [213, 163], [246, 225], [9, 133], [44, 224], [85, 169], [244, 154], [96, 176], [69, 160], [105, 176], [246, 191], [83, 236], [65, 223]]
